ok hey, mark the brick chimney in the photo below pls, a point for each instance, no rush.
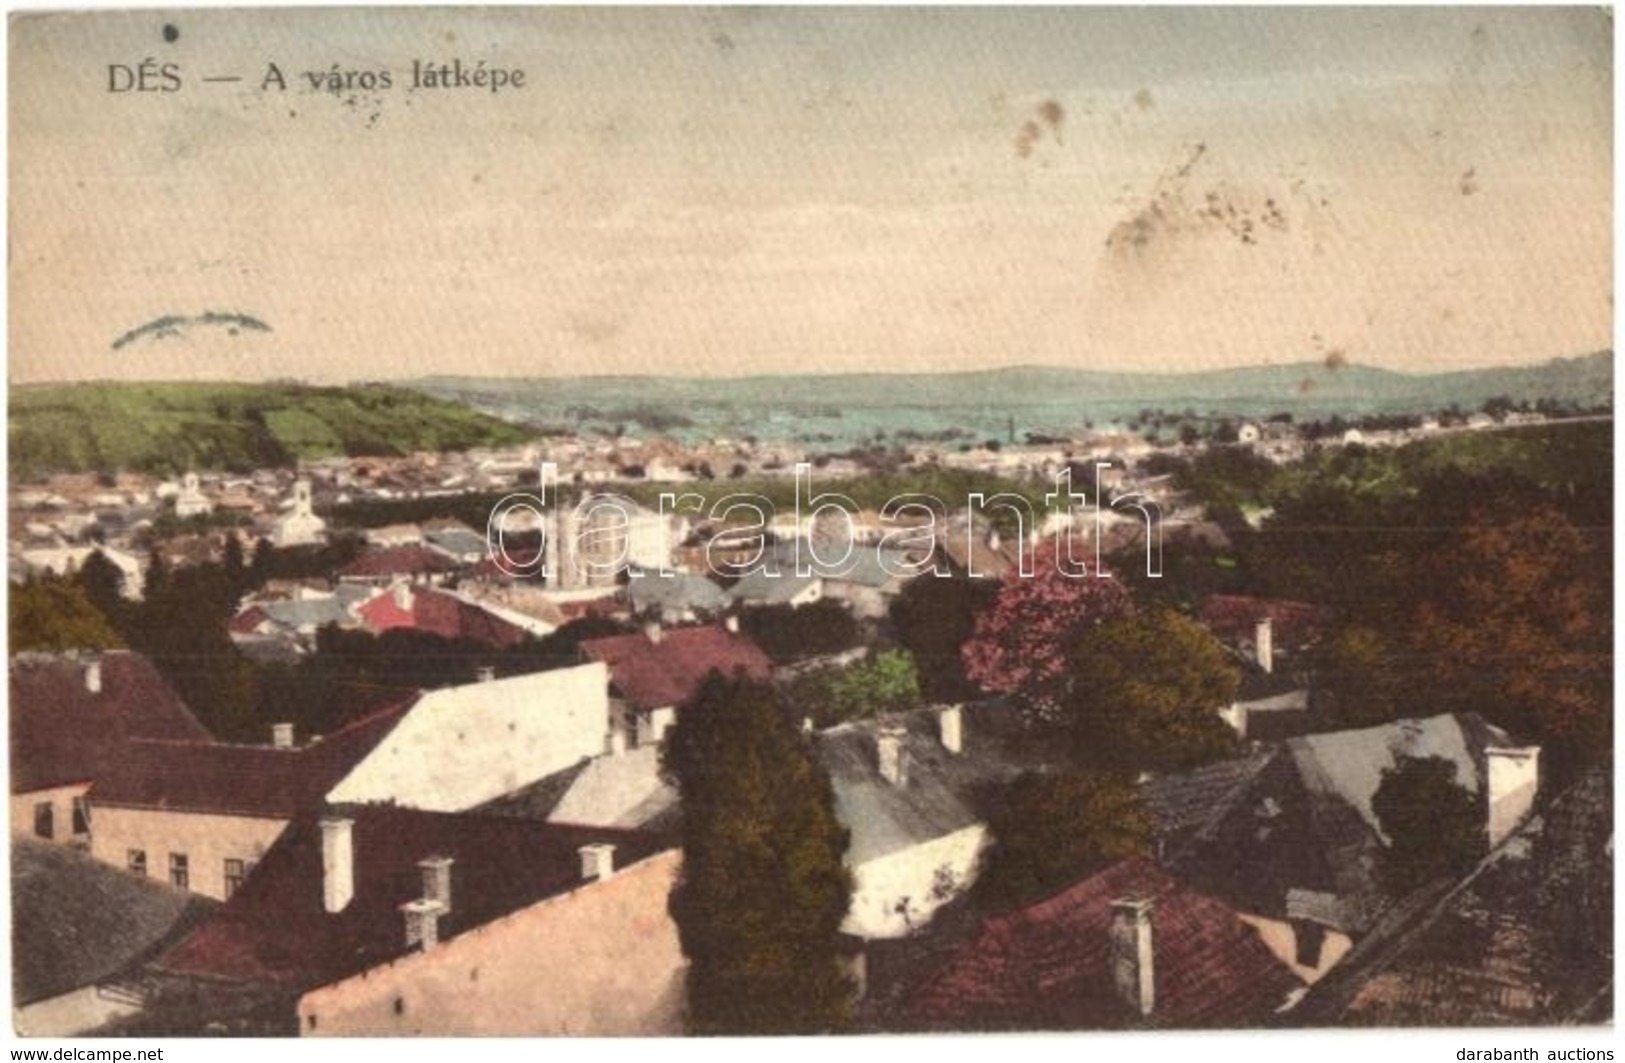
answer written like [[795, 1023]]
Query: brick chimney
[[1512, 778], [1264, 644], [93, 675], [892, 757], [597, 862], [422, 923], [951, 726], [436, 872], [1133, 954], [338, 863], [282, 735]]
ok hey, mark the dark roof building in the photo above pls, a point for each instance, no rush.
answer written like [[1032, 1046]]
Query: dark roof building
[[1128, 947], [326, 901], [390, 563], [664, 668], [1525, 940], [73, 716], [77, 922]]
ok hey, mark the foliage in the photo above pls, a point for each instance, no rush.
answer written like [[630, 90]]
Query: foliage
[[1433, 824], [168, 428], [1362, 676], [763, 890], [1148, 689], [885, 683], [1052, 830], [52, 614], [1021, 646], [933, 618], [789, 633]]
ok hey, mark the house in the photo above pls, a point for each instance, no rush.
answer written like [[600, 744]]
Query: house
[[80, 929], [72, 719], [1524, 940], [300, 526], [190, 501], [1238, 620], [866, 581], [457, 541], [200, 815], [1127, 948], [382, 566], [459, 747], [912, 791], [621, 788], [437, 612], [293, 623], [395, 535], [681, 597], [374, 920], [658, 671], [1271, 703], [1289, 838], [776, 586]]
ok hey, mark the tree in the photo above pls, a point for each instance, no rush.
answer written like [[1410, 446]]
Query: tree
[[1433, 824], [1361, 676], [1052, 830], [1022, 645], [234, 564], [1147, 694], [886, 683], [103, 584], [52, 614], [934, 617], [763, 891], [788, 633]]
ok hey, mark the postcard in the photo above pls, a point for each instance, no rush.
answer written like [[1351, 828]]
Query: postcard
[[753, 521]]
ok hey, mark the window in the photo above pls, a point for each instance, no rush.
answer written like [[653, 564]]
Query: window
[[179, 873], [137, 861], [234, 876], [44, 820], [1311, 937], [81, 815]]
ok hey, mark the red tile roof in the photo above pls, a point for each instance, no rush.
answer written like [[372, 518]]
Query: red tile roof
[[241, 780], [1232, 618], [439, 613], [276, 930], [1048, 966], [654, 675], [61, 733], [397, 561]]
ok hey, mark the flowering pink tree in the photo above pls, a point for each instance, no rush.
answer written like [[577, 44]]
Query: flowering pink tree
[[1022, 646]]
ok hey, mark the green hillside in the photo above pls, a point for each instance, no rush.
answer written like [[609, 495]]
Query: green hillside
[[171, 427]]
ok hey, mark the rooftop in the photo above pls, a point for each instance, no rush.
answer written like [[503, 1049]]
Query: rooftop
[[669, 672]]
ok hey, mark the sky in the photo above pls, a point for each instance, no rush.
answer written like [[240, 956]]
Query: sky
[[743, 191]]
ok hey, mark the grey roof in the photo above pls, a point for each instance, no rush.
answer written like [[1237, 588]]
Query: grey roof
[[457, 542], [943, 792], [537, 800], [315, 612], [1300, 822], [682, 590], [618, 790], [1524, 940], [867, 566], [1188, 800], [76, 921], [761, 588]]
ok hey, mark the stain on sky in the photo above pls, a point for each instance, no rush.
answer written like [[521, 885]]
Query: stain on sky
[[1047, 120]]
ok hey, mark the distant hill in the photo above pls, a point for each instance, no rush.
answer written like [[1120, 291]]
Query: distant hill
[[851, 406], [172, 427]]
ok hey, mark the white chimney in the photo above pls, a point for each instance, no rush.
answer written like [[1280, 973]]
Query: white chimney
[[403, 595], [485, 673], [1133, 954], [282, 735], [93, 675], [893, 758], [951, 725], [617, 741], [993, 540], [1264, 644], [437, 880], [1513, 777], [338, 863], [652, 630], [731, 623], [422, 923], [597, 862]]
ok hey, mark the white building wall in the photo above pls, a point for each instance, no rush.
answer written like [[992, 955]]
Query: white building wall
[[896, 894], [463, 746]]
